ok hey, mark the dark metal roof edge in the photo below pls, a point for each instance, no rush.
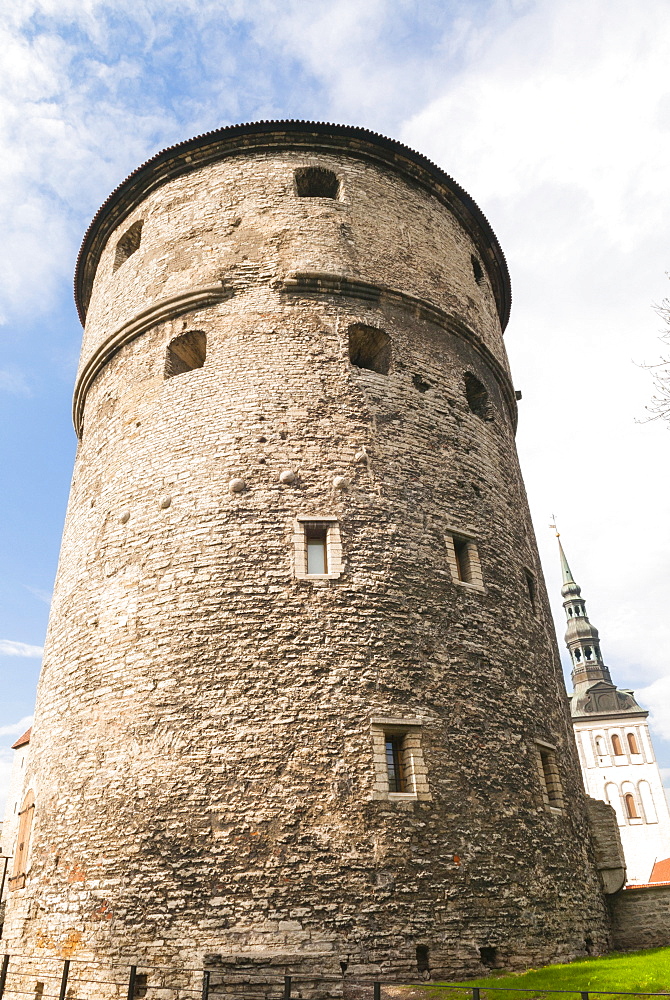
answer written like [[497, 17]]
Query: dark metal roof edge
[[502, 290]]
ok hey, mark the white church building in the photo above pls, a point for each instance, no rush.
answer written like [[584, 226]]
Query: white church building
[[615, 748]]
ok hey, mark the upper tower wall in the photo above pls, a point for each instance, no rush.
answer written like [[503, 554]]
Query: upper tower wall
[[222, 214]]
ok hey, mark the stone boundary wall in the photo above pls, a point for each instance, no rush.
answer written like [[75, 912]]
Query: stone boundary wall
[[640, 918]]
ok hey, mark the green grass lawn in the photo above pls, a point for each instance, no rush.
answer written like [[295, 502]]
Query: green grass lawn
[[646, 971]]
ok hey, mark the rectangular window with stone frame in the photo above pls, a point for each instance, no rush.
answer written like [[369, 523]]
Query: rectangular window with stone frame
[[463, 559], [399, 766], [317, 548], [549, 775]]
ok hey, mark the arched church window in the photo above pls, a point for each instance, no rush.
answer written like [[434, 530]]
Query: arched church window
[[588, 652], [632, 743], [600, 746], [631, 808], [570, 612], [616, 745], [578, 655]]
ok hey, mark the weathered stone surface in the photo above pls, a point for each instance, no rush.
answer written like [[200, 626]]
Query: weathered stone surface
[[203, 756], [640, 918], [610, 859]]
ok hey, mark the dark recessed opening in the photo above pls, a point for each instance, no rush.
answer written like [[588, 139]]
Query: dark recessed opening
[[530, 584], [488, 956], [369, 348], [141, 980], [185, 353], [316, 182], [477, 270], [128, 244], [420, 383], [423, 958], [588, 945], [477, 396]]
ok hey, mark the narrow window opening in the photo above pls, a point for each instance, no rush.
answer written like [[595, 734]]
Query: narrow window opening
[[316, 182], [316, 541], [569, 612], [185, 353], [530, 584], [141, 981], [616, 745], [488, 956], [588, 652], [632, 743], [39, 991], [477, 269], [600, 746], [422, 958], [551, 778], [420, 383], [578, 655], [477, 396], [395, 763], [461, 550], [588, 944], [631, 808], [128, 244], [370, 348], [26, 814]]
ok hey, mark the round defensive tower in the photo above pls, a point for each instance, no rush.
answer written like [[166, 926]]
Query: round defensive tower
[[301, 702]]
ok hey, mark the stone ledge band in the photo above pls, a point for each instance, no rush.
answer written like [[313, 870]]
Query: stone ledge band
[[300, 282]]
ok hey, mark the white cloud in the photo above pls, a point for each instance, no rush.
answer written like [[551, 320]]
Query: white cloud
[[45, 596], [17, 728], [10, 648], [13, 381]]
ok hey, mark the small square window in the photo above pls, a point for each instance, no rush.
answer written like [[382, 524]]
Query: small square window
[[317, 549], [463, 558], [400, 771]]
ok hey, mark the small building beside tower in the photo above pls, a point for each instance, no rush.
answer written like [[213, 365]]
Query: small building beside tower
[[614, 745]]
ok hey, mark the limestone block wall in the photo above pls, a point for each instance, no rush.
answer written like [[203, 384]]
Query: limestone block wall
[[206, 750], [641, 918]]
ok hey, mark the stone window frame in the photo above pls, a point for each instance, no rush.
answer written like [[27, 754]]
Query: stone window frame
[[416, 772], [333, 547], [476, 581], [550, 783], [22, 850]]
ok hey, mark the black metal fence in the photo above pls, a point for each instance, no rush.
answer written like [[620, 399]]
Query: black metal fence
[[135, 985]]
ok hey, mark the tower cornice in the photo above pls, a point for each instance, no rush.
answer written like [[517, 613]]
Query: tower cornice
[[312, 137]]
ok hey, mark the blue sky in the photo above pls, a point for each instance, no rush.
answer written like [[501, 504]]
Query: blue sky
[[553, 114]]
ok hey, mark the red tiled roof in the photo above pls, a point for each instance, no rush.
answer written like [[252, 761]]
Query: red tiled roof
[[22, 740], [661, 871]]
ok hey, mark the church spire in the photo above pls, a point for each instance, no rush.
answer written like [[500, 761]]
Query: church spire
[[581, 637]]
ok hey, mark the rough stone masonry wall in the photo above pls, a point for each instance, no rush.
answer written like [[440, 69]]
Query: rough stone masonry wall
[[203, 746], [641, 918]]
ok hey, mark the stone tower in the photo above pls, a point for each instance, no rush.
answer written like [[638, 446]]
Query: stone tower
[[301, 706], [614, 743]]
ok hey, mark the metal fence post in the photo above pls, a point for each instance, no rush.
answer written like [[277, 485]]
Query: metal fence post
[[131, 982], [63, 981], [585, 996], [475, 993], [377, 991], [287, 987], [3, 974]]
